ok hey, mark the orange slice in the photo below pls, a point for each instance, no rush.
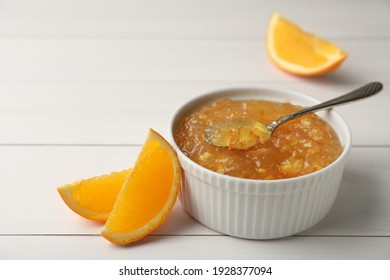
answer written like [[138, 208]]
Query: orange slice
[[148, 195], [298, 52], [94, 198]]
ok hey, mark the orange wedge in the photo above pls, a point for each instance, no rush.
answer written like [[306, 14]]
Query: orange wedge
[[94, 198], [298, 52], [148, 195]]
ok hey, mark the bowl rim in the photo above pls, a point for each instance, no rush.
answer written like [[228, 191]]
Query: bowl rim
[[212, 95]]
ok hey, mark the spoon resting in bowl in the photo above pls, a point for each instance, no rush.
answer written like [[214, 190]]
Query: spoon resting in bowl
[[243, 134]]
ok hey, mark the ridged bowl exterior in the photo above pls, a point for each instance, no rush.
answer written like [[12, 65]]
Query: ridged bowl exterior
[[241, 208], [260, 209]]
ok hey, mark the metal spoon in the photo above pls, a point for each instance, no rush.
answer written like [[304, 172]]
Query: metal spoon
[[245, 133]]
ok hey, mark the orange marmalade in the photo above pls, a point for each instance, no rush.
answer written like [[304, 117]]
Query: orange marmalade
[[298, 147]]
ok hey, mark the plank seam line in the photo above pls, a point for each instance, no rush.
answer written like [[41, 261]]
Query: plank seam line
[[187, 235], [342, 235], [166, 81], [184, 38], [126, 145], [172, 82], [65, 145]]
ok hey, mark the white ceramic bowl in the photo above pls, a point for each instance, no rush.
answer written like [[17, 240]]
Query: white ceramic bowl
[[260, 209]]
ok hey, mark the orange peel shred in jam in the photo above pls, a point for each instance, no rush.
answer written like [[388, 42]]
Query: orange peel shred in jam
[[296, 148]]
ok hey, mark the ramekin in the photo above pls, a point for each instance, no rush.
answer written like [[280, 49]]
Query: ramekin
[[259, 209]]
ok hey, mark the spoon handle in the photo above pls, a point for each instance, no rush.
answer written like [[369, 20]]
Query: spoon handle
[[359, 93]]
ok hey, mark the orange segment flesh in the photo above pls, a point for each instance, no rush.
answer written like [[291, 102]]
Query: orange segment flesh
[[94, 198], [148, 194], [299, 52]]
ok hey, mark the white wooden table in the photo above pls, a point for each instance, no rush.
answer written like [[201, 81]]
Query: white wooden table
[[81, 81]]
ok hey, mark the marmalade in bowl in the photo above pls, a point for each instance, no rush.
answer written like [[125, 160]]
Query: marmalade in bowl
[[298, 147]]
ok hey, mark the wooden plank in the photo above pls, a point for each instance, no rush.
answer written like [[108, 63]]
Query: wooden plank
[[175, 60], [121, 113], [188, 19], [31, 199], [363, 200], [30, 175], [194, 248]]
